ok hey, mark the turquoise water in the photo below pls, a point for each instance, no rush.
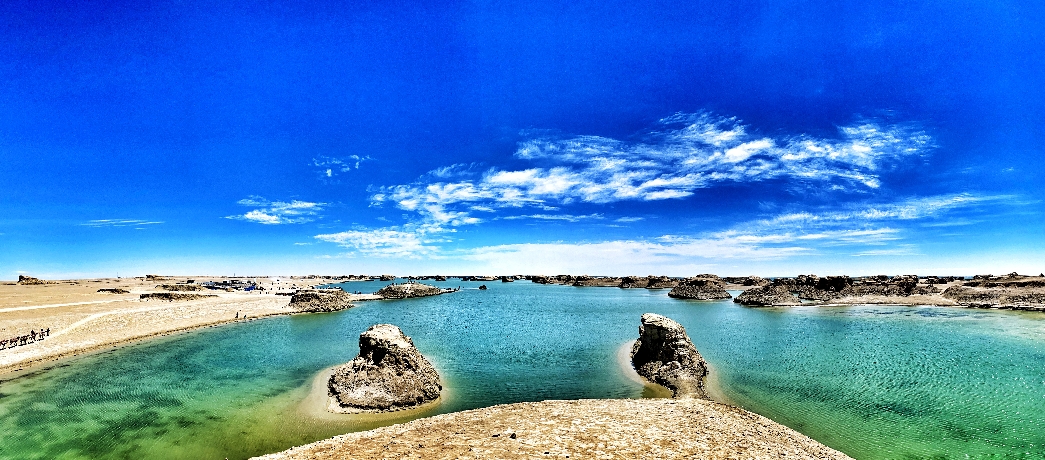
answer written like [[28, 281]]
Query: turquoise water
[[874, 382]]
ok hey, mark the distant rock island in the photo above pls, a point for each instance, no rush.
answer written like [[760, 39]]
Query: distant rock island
[[701, 287], [665, 355], [409, 289], [389, 374]]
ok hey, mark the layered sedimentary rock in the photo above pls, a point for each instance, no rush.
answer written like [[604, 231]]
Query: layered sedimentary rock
[[766, 296], [320, 300], [114, 291], [664, 355], [389, 374], [408, 290], [700, 289], [746, 280]]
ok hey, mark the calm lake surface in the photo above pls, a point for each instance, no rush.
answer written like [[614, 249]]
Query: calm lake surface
[[871, 381]]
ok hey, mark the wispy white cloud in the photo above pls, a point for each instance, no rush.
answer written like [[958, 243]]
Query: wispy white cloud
[[563, 217], [629, 219], [871, 229], [120, 223], [330, 167], [685, 153], [278, 212], [409, 241]]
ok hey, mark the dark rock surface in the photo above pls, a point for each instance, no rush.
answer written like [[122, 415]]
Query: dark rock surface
[[389, 374], [700, 289], [114, 291], [664, 355], [408, 290], [764, 296], [320, 300]]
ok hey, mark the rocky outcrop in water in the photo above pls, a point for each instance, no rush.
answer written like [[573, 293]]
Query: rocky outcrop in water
[[700, 289], [320, 300], [664, 355], [389, 374], [764, 296], [387, 278], [408, 290]]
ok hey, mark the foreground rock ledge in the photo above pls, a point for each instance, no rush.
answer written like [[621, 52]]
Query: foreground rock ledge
[[388, 375], [624, 428], [664, 355]]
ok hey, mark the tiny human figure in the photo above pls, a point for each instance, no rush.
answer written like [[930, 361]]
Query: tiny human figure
[[237, 315]]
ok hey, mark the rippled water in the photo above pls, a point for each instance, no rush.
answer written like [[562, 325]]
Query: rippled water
[[874, 382]]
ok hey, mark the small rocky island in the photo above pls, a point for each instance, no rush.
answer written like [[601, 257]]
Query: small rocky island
[[665, 355], [320, 300], [409, 289], [702, 287], [763, 296], [389, 374]]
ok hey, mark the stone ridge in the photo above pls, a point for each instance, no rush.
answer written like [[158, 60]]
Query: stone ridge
[[591, 428], [665, 355], [389, 374]]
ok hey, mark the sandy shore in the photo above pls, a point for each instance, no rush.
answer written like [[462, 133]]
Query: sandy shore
[[83, 320]]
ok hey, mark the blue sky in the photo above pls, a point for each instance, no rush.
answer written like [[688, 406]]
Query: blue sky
[[750, 137]]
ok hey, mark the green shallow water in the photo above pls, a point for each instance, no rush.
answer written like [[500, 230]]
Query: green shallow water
[[871, 381]]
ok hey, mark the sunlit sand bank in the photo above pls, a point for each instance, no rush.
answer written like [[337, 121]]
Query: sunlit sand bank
[[82, 320]]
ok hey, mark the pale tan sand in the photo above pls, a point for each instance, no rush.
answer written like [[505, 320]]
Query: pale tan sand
[[624, 428], [83, 320]]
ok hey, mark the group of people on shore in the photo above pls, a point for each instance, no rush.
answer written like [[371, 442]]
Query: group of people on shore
[[31, 337]]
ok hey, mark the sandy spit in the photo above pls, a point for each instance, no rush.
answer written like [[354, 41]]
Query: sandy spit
[[83, 320]]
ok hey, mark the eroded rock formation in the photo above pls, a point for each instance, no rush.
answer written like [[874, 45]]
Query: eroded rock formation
[[664, 355], [320, 300], [763, 296], [29, 280], [114, 291], [408, 290], [389, 374], [700, 289]]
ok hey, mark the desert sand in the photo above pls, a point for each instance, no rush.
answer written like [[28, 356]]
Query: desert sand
[[82, 320]]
